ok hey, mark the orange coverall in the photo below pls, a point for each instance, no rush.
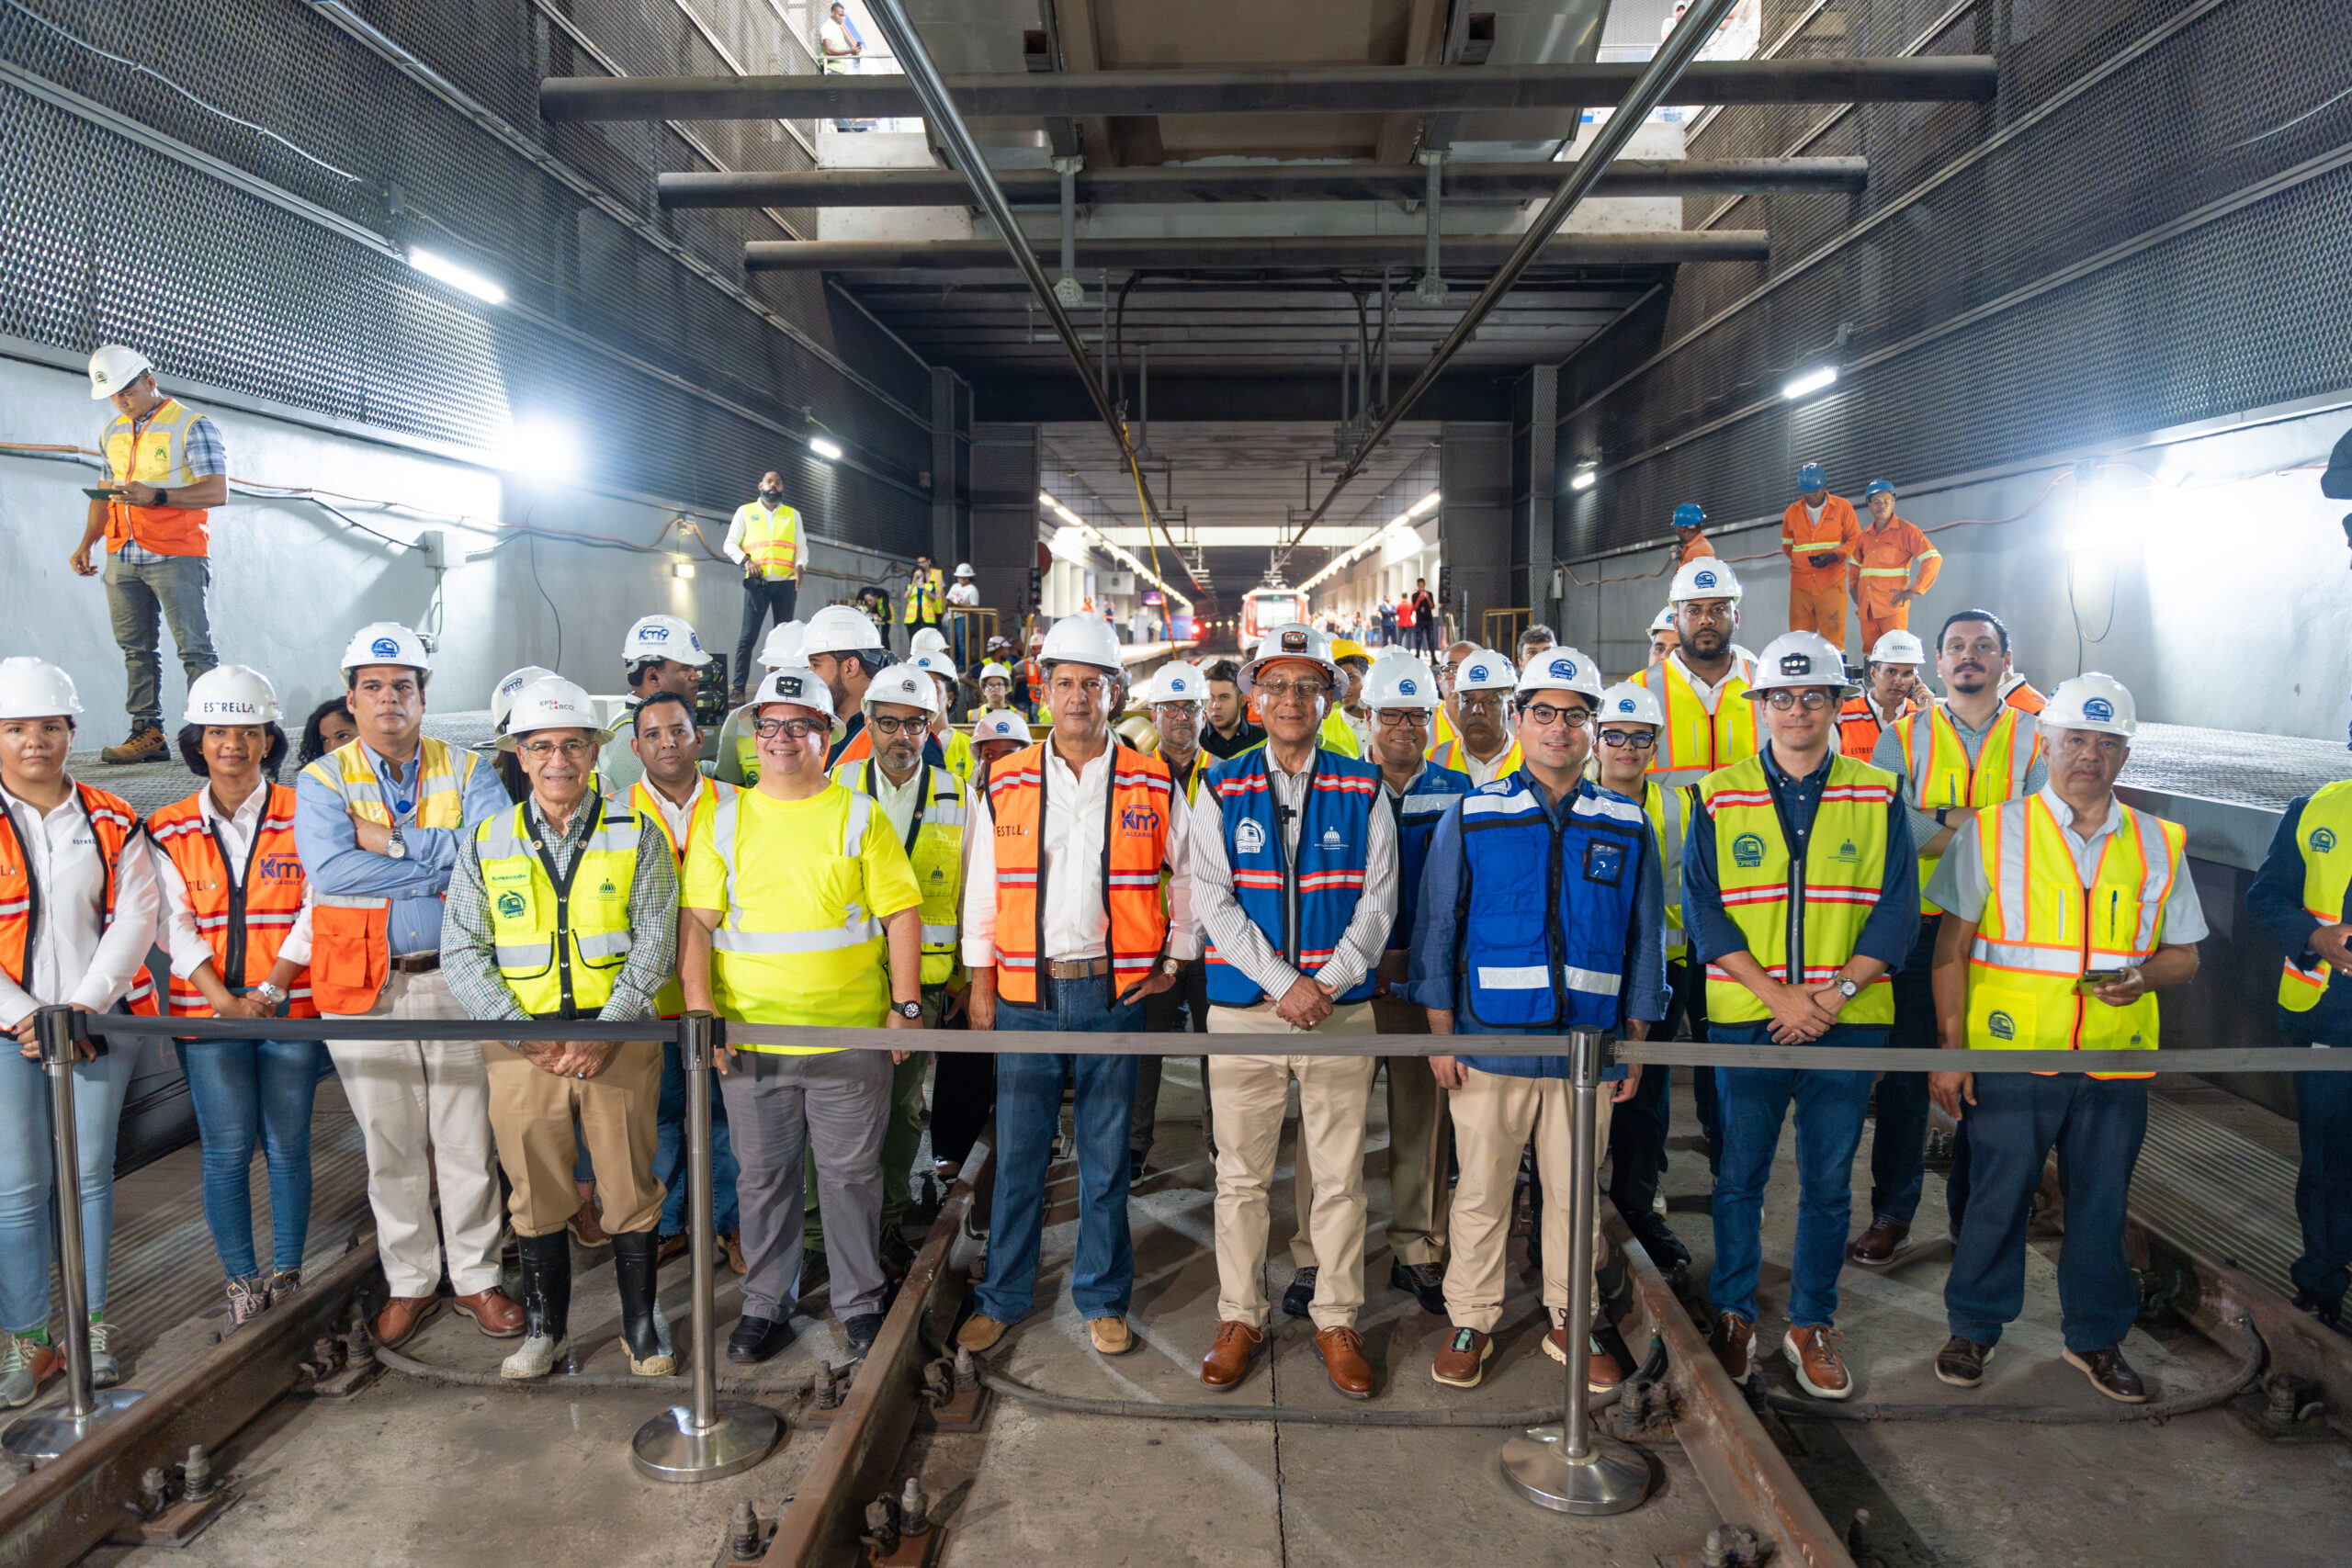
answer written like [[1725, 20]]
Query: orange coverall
[[1697, 547], [1817, 594], [1893, 558]]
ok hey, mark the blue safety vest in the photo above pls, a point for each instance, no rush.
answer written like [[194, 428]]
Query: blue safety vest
[[1417, 817], [1303, 907], [1547, 909]]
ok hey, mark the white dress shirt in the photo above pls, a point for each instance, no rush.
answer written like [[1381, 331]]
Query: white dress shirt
[[71, 963], [676, 818], [897, 801], [1069, 862], [1961, 886], [187, 945]]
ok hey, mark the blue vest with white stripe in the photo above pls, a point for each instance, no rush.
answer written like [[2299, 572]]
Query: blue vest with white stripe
[[1324, 883], [1545, 912], [1417, 817]]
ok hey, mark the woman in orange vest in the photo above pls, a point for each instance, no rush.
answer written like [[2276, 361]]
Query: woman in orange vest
[[237, 924]]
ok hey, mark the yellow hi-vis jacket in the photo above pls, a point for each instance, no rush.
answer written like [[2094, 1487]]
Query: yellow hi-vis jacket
[[2326, 825], [935, 846], [671, 1001], [1942, 776], [558, 940], [1669, 814], [1695, 743], [771, 539]]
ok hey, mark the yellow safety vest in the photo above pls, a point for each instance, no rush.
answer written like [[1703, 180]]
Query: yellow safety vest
[[1338, 734], [1455, 754], [349, 957], [1442, 728], [925, 592], [671, 1001], [1669, 813], [2326, 825], [558, 941], [1821, 904], [1695, 743], [962, 761], [2042, 930], [772, 539], [1942, 776], [935, 846]]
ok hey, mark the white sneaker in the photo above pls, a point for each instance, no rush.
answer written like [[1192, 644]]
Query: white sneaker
[[536, 1358], [104, 1370], [24, 1361]]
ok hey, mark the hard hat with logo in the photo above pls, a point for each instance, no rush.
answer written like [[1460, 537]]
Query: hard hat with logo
[[663, 637], [552, 703], [114, 368], [1663, 620], [964, 568], [1347, 648], [1689, 514], [787, 641], [1625, 703], [1003, 724], [1706, 578], [1812, 477], [1294, 644], [796, 684], [1898, 647], [502, 696], [840, 629], [992, 670], [1558, 669], [34, 688], [1484, 669], [2092, 701], [1083, 639], [1177, 682], [1798, 659], [386, 642], [1398, 682], [908, 685], [230, 695], [935, 662], [931, 640], [1877, 486]]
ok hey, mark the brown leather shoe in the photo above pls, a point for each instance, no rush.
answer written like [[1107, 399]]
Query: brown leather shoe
[[1228, 1360], [2111, 1375], [494, 1311], [1879, 1245], [981, 1332], [401, 1317], [1730, 1342], [1462, 1360], [587, 1227], [1601, 1372], [146, 744], [1820, 1368], [669, 1247], [732, 1244], [1961, 1361], [1342, 1350]]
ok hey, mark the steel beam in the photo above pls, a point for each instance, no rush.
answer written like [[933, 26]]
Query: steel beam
[[1390, 89], [1464, 251]]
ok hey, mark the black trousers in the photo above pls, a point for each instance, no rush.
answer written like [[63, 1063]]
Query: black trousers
[[963, 1096], [761, 596], [1637, 1128]]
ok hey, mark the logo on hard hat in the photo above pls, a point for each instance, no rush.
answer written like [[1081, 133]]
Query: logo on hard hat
[[1704, 579], [653, 634], [2322, 841], [1566, 669], [905, 685], [1176, 683], [2002, 1026], [1625, 705], [385, 647], [1405, 688], [1796, 664], [1478, 672], [2099, 708], [1295, 642], [1248, 838], [1748, 850]]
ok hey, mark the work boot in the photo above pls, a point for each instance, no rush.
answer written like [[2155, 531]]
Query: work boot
[[677, 1244], [1110, 1334], [981, 1332], [1880, 1244], [1961, 1361], [1425, 1282], [26, 1363], [547, 1307], [282, 1283], [248, 1299], [1730, 1342], [645, 1333], [1812, 1352], [1301, 1294], [146, 745], [2111, 1375], [731, 1244], [587, 1225]]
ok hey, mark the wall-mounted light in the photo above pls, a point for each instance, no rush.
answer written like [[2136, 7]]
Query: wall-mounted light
[[825, 450], [1810, 382], [543, 451], [1586, 478], [685, 569], [432, 263]]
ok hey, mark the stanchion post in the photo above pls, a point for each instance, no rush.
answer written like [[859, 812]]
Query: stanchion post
[[707, 1438], [1570, 1468]]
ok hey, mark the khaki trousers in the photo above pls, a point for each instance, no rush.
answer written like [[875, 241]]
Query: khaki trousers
[[532, 1112], [1493, 1117], [1419, 1137], [1250, 1095]]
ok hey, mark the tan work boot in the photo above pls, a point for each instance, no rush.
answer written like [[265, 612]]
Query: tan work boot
[[1110, 1334], [981, 1332], [146, 745], [1730, 1341]]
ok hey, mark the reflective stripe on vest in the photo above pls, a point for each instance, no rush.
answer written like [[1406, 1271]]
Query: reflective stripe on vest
[[246, 917], [1801, 919], [349, 944], [1695, 743], [935, 846], [2042, 930], [558, 940], [115, 825], [1134, 845], [2326, 847], [1546, 908], [1668, 809], [926, 591], [1300, 901], [1942, 776], [1453, 756], [153, 451], [772, 539]]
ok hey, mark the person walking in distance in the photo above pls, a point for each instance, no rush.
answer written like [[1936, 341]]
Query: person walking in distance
[[1424, 617], [764, 540]]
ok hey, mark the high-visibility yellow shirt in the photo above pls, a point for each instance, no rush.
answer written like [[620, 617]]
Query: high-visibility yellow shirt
[[933, 839], [2326, 828], [1338, 734]]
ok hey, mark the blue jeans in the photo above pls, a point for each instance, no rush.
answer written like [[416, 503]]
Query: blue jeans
[[1899, 1143], [2323, 1185], [139, 595], [1829, 1110], [2097, 1125], [26, 1168], [669, 1150], [1028, 1112], [248, 1092]]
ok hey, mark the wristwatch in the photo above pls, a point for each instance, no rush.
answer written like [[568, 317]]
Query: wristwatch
[[273, 994], [1171, 967], [398, 848], [906, 1010], [1847, 987]]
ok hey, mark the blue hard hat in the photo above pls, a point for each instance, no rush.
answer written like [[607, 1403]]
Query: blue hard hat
[[1689, 514], [1877, 486], [1811, 477]]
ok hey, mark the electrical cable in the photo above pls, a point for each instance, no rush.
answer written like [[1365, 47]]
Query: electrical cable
[[532, 544]]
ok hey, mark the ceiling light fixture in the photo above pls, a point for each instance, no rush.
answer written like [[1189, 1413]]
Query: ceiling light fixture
[[1810, 382], [826, 450], [463, 279]]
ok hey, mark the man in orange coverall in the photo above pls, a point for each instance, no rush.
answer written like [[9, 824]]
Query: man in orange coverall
[[1821, 537], [1689, 518], [1896, 564]]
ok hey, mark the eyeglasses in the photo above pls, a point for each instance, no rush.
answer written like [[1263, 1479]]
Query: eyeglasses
[[790, 728], [1280, 690], [881, 724], [540, 751], [1484, 702], [1543, 716], [1629, 740], [1403, 718], [1813, 698]]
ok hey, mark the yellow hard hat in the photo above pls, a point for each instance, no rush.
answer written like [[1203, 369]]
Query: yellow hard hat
[[1347, 648]]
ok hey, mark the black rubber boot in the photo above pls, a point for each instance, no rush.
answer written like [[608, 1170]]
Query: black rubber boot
[[546, 1263], [643, 1333]]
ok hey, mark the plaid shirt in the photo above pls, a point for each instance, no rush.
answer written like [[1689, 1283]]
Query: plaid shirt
[[201, 454], [467, 955]]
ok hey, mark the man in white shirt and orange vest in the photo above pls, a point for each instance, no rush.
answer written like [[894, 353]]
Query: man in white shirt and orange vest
[[764, 540], [1065, 928], [1702, 682], [165, 470]]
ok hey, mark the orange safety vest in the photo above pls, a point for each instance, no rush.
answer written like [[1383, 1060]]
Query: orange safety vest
[[245, 920], [2024, 698], [350, 934], [152, 450], [1697, 549], [115, 825], [1859, 727], [1134, 845]]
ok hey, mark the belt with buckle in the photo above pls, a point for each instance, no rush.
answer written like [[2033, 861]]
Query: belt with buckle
[[1077, 968], [416, 963]]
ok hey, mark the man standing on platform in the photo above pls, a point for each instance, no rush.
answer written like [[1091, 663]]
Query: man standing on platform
[[1701, 681], [1896, 564], [1483, 748], [1690, 522], [1176, 699], [926, 600], [764, 540], [1229, 732], [1820, 534]]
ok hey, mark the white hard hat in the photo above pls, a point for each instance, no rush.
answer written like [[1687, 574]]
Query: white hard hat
[[840, 628], [785, 645], [931, 640], [1397, 681], [232, 693], [663, 637], [937, 662], [796, 684], [992, 670], [1663, 620], [1706, 578], [1898, 647], [502, 696], [1293, 643], [1798, 659], [1003, 724], [1484, 669], [1083, 639], [1558, 669], [1177, 682], [34, 688], [964, 568], [2092, 701], [552, 703], [909, 685], [114, 368], [386, 642], [1626, 703]]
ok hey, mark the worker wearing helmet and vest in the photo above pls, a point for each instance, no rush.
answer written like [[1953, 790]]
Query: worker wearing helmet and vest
[[738, 754], [1663, 638], [1541, 911], [955, 750], [800, 910], [1800, 890], [1691, 542], [1891, 693], [1483, 748], [1701, 681], [77, 915], [1294, 887], [165, 470], [1820, 534], [1066, 927], [379, 824], [1954, 758], [2065, 912], [995, 737], [926, 600], [1444, 728], [764, 540], [565, 907], [1176, 697], [237, 924], [1347, 707], [1894, 564], [844, 648], [995, 684], [661, 653]]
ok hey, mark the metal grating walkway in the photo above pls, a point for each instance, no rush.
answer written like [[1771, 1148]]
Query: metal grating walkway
[[2205, 1185], [2263, 772]]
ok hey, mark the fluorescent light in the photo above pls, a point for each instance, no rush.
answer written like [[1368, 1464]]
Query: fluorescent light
[[1812, 381], [1432, 499], [825, 450], [685, 569], [465, 278], [1586, 479]]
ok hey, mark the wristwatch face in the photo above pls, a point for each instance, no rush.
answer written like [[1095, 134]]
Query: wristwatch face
[[908, 1009], [1847, 989]]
